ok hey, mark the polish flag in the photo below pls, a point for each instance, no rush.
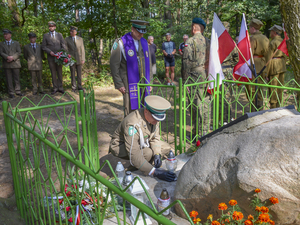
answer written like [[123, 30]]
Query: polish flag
[[282, 47], [241, 70], [221, 45]]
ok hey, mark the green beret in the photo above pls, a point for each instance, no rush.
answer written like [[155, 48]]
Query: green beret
[[140, 25], [5, 31], [73, 28], [51, 23], [31, 34], [198, 20]]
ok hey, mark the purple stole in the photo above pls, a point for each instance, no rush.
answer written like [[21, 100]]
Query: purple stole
[[133, 68]]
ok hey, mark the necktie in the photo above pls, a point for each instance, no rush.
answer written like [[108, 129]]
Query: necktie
[[74, 40], [52, 34], [33, 47], [8, 43]]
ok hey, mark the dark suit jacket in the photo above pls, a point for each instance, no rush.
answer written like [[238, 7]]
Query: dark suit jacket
[[13, 50], [53, 44], [34, 59], [77, 51]]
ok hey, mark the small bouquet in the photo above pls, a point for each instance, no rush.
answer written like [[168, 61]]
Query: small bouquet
[[193, 149], [63, 58]]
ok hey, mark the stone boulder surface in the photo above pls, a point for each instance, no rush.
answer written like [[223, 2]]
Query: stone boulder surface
[[260, 152]]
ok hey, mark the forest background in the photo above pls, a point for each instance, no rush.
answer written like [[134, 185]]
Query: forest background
[[101, 22]]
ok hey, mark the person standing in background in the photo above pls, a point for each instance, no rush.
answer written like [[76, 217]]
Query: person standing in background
[[169, 49], [153, 50], [181, 47]]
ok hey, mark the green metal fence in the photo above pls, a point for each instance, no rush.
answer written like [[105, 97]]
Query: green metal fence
[[55, 165]]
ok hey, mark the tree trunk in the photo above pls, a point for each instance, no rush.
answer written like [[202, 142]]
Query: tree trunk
[[35, 8], [168, 15], [12, 5], [290, 10], [100, 52], [115, 22]]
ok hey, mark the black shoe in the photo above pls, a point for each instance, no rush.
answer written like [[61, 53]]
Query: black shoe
[[62, 91], [20, 94], [74, 90], [81, 89], [53, 92], [11, 96], [42, 92], [34, 93]]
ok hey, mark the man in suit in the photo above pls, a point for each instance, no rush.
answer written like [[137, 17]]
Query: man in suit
[[75, 47], [52, 43], [10, 52], [34, 55]]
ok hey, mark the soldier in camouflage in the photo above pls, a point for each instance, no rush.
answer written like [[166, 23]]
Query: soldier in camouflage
[[194, 60], [227, 68]]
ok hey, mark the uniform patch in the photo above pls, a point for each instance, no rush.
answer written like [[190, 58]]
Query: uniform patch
[[147, 54], [131, 131], [130, 52], [115, 46]]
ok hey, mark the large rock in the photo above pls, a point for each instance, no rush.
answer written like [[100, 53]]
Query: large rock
[[259, 152]]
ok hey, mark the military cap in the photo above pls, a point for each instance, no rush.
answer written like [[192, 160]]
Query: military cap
[[140, 25], [51, 23], [226, 24], [277, 29], [198, 20], [5, 31], [257, 24], [73, 28], [31, 34], [157, 106]]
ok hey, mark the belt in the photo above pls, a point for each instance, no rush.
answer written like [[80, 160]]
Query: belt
[[277, 58], [226, 67], [258, 56]]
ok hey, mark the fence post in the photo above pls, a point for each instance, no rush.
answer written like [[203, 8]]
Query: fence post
[[180, 116], [217, 94], [83, 124]]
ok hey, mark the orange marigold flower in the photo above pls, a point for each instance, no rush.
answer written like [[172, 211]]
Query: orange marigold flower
[[237, 215], [193, 213], [196, 220], [222, 206], [265, 218], [264, 209], [232, 202], [272, 222], [274, 200], [257, 209], [250, 217], [215, 222], [257, 190], [210, 216], [248, 222]]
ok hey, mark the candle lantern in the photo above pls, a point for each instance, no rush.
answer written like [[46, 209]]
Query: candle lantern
[[171, 162]]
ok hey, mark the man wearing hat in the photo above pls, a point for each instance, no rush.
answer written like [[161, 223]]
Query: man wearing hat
[[10, 52], [276, 67], [137, 138], [169, 49], [75, 47], [259, 45], [194, 62], [52, 43], [130, 62], [227, 68], [34, 55]]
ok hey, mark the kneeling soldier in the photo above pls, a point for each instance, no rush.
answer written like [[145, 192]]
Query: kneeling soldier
[[137, 138], [34, 54]]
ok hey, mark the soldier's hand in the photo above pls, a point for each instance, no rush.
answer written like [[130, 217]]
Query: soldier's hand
[[122, 90], [157, 161], [52, 54], [165, 175]]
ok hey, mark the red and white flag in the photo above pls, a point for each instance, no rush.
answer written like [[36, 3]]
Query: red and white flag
[[241, 70], [282, 47], [221, 44]]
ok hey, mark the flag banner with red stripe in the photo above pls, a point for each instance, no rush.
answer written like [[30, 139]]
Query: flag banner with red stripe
[[283, 47]]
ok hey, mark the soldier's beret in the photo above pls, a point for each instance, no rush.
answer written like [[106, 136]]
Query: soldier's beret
[[198, 20], [257, 24], [157, 106], [51, 23], [277, 29], [73, 28], [140, 25], [226, 24], [31, 34], [6, 31]]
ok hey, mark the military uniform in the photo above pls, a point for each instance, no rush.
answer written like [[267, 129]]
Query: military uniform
[[118, 67], [11, 69], [194, 62], [75, 48], [276, 68], [259, 45], [34, 56]]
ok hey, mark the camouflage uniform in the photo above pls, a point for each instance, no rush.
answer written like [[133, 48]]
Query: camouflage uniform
[[227, 68], [194, 61]]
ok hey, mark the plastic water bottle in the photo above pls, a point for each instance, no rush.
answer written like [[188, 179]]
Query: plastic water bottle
[[163, 202], [120, 172]]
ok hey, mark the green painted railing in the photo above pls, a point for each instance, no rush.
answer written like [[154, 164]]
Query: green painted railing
[[54, 157]]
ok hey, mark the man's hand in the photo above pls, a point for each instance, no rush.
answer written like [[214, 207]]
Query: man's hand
[[122, 90], [164, 175], [157, 161], [52, 53], [10, 58], [82, 62]]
